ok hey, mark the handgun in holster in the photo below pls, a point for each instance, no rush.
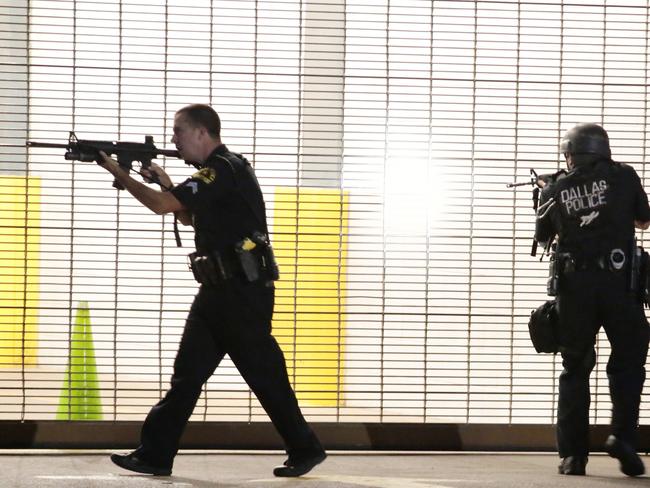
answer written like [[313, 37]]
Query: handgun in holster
[[553, 273], [639, 279], [246, 251], [255, 256], [268, 256], [644, 280]]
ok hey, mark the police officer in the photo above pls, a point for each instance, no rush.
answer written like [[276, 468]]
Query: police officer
[[594, 210], [231, 314]]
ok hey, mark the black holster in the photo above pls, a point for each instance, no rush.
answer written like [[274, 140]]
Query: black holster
[[553, 275], [256, 258], [640, 275]]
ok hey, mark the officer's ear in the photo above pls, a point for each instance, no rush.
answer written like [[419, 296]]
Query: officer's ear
[[569, 160], [203, 133]]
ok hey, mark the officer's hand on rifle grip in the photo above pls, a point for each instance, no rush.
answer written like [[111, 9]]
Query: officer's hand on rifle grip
[[155, 174]]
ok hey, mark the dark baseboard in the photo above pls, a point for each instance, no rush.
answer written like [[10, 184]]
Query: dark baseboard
[[335, 436]]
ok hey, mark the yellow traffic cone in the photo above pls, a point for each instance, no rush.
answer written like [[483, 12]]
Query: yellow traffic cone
[[80, 398]]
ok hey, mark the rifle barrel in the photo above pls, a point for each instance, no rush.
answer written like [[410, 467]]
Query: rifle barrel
[[46, 144], [522, 183]]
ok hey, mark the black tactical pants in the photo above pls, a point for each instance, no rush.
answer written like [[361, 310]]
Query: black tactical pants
[[589, 299], [234, 319]]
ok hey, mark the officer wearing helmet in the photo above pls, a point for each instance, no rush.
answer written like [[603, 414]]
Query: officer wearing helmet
[[593, 211]]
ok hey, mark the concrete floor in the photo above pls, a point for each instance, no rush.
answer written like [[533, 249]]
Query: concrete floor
[[90, 469]]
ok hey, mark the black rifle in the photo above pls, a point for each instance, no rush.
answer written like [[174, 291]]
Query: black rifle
[[538, 182], [535, 180], [125, 152]]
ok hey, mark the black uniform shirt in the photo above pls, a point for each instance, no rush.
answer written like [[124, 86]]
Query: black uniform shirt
[[593, 208], [225, 201]]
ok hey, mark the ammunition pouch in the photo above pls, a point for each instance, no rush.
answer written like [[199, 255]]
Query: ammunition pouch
[[252, 260], [543, 327], [209, 269]]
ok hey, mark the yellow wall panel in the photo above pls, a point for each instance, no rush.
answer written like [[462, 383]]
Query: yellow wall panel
[[310, 227], [19, 269]]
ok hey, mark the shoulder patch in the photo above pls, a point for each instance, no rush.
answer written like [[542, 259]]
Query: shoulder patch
[[207, 175]]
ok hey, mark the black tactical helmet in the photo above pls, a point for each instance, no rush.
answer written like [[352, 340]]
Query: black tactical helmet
[[586, 139]]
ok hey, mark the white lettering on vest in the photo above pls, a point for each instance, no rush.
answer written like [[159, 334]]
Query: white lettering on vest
[[584, 197]]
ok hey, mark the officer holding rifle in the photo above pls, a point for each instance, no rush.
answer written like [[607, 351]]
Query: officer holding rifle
[[601, 281], [231, 314]]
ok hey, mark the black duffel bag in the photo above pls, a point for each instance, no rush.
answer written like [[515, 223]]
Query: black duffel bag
[[543, 327]]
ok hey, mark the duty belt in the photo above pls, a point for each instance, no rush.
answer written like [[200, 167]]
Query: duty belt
[[614, 260]]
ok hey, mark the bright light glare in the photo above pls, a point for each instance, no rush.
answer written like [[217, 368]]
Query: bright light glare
[[414, 195]]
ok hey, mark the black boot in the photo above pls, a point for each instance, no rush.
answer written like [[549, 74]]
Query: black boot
[[574, 465], [300, 463], [133, 462], [631, 463]]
